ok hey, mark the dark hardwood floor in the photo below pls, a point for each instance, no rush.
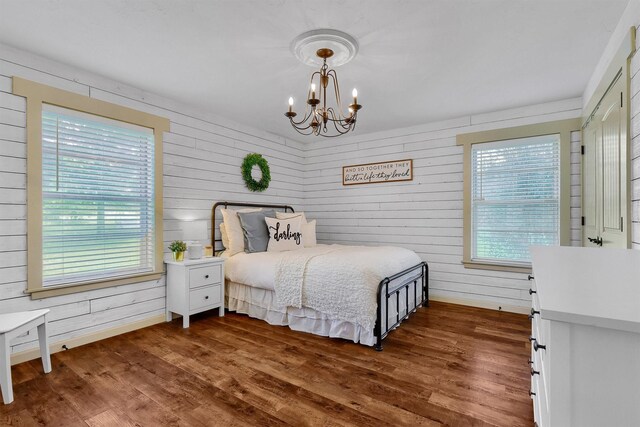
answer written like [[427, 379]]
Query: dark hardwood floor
[[447, 365]]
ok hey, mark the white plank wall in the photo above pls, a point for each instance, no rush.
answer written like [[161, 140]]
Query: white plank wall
[[202, 156], [426, 214], [635, 145]]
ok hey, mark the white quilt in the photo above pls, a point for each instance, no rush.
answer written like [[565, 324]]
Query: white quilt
[[339, 281], [258, 269]]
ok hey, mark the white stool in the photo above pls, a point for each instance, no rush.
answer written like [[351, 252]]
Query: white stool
[[11, 326]]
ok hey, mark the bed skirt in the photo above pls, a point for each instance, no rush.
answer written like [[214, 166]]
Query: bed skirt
[[261, 304]]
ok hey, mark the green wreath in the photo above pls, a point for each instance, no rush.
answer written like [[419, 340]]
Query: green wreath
[[247, 165]]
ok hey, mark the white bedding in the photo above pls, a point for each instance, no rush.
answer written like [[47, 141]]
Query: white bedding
[[338, 281], [258, 269]]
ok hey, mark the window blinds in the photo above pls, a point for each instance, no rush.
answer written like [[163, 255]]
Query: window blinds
[[97, 197], [515, 198]]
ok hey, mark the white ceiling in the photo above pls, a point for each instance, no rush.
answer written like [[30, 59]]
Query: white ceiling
[[419, 61]]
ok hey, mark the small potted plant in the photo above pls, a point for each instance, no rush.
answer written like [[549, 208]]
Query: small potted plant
[[178, 247]]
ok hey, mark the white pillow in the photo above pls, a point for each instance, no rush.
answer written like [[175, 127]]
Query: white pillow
[[234, 229], [284, 234], [309, 234], [223, 236], [289, 215], [308, 229]]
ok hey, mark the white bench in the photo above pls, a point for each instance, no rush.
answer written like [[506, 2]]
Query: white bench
[[11, 326]]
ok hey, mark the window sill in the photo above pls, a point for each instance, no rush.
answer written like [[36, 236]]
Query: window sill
[[497, 267], [54, 291]]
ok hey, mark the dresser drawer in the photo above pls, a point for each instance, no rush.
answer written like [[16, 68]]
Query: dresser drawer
[[535, 302], [532, 284], [202, 276], [537, 343], [205, 297], [540, 331], [539, 385], [540, 406]]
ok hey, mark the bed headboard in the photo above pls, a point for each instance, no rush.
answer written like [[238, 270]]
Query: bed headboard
[[225, 205]]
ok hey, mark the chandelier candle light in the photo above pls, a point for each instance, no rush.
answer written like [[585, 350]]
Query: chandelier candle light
[[321, 118]]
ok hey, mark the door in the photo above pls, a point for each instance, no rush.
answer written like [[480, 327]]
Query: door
[[589, 185], [605, 172]]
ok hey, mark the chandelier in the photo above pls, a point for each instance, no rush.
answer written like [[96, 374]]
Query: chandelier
[[321, 117]]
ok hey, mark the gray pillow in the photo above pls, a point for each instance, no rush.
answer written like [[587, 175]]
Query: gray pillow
[[254, 227]]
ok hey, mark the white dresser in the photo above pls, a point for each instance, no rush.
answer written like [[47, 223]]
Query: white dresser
[[585, 339], [194, 286]]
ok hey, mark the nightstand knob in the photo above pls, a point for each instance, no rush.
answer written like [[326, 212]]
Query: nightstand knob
[[206, 277], [206, 297]]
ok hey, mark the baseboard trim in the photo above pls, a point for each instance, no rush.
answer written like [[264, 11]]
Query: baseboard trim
[[34, 353], [483, 304]]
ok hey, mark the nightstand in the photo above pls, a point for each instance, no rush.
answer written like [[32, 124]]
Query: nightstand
[[194, 286]]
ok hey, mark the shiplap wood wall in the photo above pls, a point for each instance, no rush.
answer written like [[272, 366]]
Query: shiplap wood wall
[[202, 156], [424, 215]]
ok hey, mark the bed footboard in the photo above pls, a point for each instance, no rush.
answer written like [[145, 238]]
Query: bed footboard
[[393, 288]]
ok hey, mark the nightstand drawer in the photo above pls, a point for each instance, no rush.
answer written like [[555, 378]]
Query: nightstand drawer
[[204, 297], [202, 276]]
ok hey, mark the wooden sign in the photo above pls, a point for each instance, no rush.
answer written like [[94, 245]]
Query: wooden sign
[[373, 173]]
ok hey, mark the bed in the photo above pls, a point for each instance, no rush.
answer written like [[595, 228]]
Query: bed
[[358, 293]]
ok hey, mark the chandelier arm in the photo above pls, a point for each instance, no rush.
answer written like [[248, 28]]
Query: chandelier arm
[[336, 87], [297, 126], [340, 126], [306, 117], [333, 136], [301, 130], [342, 129], [342, 122], [335, 120]]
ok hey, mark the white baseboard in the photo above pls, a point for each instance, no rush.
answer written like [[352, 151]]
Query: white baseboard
[[482, 304], [34, 353]]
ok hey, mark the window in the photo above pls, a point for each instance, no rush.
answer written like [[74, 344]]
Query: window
[[515, 197], [94, 192], [97, 197], [516, 193]]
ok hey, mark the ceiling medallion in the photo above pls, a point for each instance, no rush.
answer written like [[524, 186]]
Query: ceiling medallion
[[321, 118]]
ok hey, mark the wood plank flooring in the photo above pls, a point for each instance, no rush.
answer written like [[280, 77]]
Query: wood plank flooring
[[446, 365]]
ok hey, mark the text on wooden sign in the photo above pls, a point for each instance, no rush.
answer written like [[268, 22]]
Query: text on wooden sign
[[372, 173]]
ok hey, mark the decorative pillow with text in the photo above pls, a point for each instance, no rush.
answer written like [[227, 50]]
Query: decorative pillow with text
[[308, 229], [284, 234]]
